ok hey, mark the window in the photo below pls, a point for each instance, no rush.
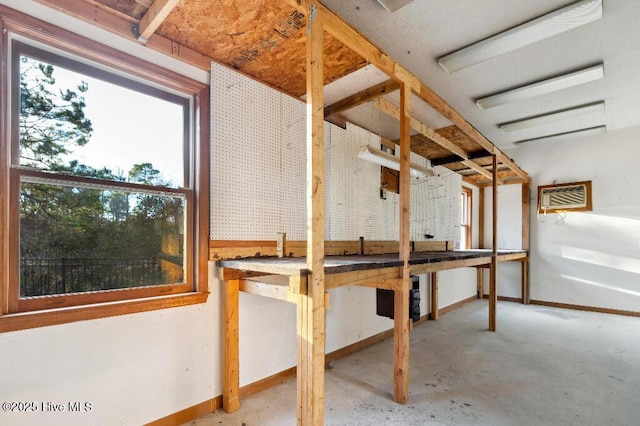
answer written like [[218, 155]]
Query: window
[[105, 204], [465, 219]]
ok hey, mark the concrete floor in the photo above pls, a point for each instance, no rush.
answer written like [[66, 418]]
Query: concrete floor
[[544, 366]]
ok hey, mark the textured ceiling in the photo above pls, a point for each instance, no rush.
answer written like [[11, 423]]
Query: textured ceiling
[[419, 33]]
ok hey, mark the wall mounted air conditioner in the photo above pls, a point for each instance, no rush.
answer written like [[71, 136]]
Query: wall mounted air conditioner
[[565, 197]]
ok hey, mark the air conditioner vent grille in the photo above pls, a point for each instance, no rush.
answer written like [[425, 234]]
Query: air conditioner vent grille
[[565, 197]]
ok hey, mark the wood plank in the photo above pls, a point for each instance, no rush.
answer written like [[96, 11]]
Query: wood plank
[[362, 97], [432, 245], [493, 270], [456, 159], [525, 283], [526, 215], [434, 296], [311, 307], [116, 25], [266, 289], [435, 101], [481, 170], [367, 278], [151, 20], [393, 111], [230, 346], [480, 282], [448, 264], [481, 209], [401, 297]]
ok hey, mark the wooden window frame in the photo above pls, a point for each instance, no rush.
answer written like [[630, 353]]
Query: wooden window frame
[[468, 192], [16, 314]]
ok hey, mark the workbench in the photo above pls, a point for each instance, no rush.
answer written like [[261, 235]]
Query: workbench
[[252, 275]]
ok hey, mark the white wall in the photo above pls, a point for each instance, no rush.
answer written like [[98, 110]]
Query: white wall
[[133, 369], [589, 258], [509, 236]]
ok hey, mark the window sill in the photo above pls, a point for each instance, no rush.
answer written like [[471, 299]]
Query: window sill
[[27, 320]]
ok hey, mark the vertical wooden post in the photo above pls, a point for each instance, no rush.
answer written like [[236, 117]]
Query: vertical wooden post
[[434, 296], [311, 307], [230, 345], [493, 270], [526, 239], [401, 297], [480, 282], [481, 217]]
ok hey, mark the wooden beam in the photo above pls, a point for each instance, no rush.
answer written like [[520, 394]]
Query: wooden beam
[[311, 306], [493, 270], [362, 97], [401, 297], [481, 208], [151, 20], [434, 296], [456, 159], [478, 168], [230, 346], [355, 41], [480, 282], [436, 102], [392, 110], [526, 239]]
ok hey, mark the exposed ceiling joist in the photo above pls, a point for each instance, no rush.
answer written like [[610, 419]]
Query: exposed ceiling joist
[[392, 110], [362, 97], [455, 159], [157, 13]]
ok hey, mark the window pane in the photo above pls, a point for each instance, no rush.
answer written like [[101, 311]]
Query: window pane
[[74, 123], [75, 240]]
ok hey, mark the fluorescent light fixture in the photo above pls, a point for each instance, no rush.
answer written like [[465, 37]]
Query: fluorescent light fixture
[[543, 87], [393, 5], [385, 159], [527, 123], [556, 22], [559, 137]]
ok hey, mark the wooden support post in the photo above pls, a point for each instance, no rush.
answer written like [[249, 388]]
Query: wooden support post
[[401, 297], [526, 239], [481, 217], [525, 282], [493, 271], [480, 282], [434, 296], [311, 306], [230, 346], [281, 244]]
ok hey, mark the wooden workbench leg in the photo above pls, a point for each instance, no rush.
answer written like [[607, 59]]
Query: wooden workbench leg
[[525, 283], [434, 296], [493, 293], [480, 282], [230, 345], [401, 346], [311, 358]]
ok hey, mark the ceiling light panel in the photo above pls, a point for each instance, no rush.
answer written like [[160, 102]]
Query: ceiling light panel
[[581, 111], [559, 137], [569, 17], [583, 76], [393, 5]]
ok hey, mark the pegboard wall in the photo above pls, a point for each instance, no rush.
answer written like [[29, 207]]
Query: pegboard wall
[[258, 173]]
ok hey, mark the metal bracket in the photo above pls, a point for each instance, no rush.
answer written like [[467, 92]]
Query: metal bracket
[[136, 32], [312, 17]]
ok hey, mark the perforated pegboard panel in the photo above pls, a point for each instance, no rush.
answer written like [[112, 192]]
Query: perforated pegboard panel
[[257, 160], [258, 176]]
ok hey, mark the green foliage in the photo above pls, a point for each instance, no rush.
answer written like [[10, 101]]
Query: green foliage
[[67, 222]]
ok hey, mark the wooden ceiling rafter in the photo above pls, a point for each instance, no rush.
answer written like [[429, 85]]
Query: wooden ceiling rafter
[[156, 14], [362, 97], [357, 42], [389, 108]]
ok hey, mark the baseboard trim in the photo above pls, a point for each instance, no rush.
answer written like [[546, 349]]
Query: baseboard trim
[[188, 414], [206, 407], [456, 305], [586, 308], [266, 383], [505, 298]]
